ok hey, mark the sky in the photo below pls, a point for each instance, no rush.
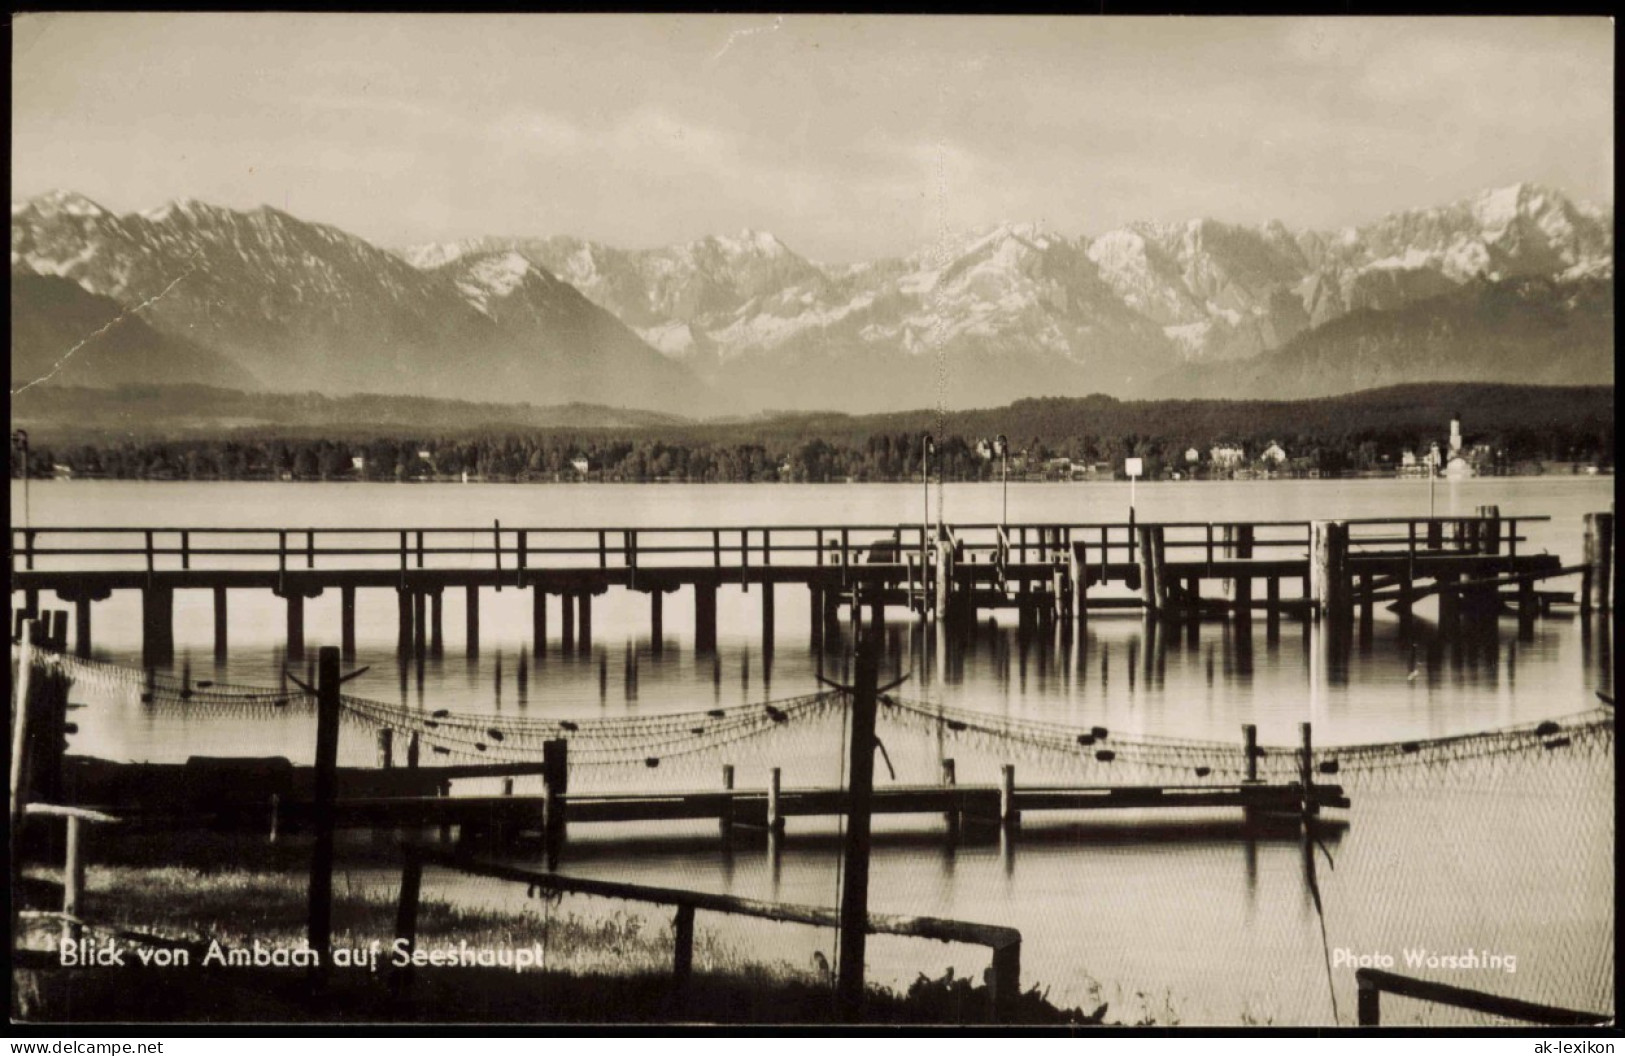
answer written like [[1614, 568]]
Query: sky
[[848, 137]]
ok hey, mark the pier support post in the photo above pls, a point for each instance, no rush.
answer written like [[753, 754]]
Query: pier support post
[[158, 626], [1596, 583], [1449, 604], [1407, 584], [1009, 816], [1368, 607], [815, 596], [81, 626], [296, 625], [767, 616], [1527, 608], [471, 626], [1151, 558], [1243, 589], [403, 604], [538, 620], [437, 625], [1272, 602], [657, 618], [1080, 584], [567, 621], [1328, 569], [347, 622], [386, 748], [412, 751], [584, 628], [705, 617], [420, 629]]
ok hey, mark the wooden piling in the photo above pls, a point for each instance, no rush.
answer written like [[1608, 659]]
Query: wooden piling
[[420, 624], [1242, 588], [158, 625], [950, 780], [767, 616], [347, 622], [1145, 537], [1306, 772], [567, 621], [1272, 605], [386, 748], [412, 751], [320, 932], [403, 602], [1009, 816], [538, 621], [775, 819], [815, 602], [657, 617], [1328, 569], [471, 620], [584, 627], [705, 617], [555, 783], [81, 626], [1249, 738], [725, 820], [296, 625], [1596, 583], [437, 626]]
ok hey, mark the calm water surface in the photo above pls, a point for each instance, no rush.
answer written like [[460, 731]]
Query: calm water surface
[[1172, 919]]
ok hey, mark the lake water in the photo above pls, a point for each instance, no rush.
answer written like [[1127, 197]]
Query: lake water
[[1169, 919]]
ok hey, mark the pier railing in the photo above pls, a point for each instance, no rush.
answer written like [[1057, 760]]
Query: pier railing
[[1005, 943], [741, 546]]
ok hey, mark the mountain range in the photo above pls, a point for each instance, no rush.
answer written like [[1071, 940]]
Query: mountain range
[[1512, 284]]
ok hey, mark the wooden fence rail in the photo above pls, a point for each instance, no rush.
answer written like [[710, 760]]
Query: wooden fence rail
[[1373, 982], [1004, 980]]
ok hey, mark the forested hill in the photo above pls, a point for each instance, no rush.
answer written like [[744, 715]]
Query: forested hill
[[143, 433]]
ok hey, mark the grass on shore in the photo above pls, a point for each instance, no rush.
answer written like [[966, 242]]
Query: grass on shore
[[610, 967]]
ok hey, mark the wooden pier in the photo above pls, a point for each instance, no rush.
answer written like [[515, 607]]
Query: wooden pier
[[1046, 573], [245, 792]]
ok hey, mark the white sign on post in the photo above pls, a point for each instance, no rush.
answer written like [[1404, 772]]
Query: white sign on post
[[1133, 467]]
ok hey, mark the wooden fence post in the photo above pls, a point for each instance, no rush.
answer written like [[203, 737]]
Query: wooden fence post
[[854, 909], [321, 857], [682, 968], [1005, 982], [406, 921], [73, 879], [1369, 1011]]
